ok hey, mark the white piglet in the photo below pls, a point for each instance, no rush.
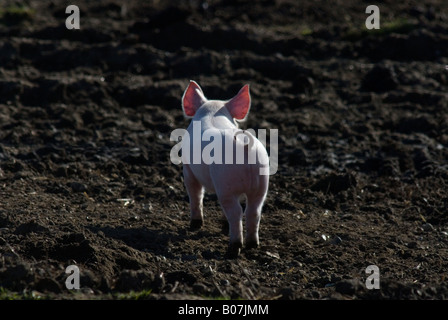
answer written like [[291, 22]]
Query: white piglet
[[237, 167]]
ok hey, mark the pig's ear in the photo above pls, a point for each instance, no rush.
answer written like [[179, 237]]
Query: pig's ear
[[239, 105], [192, 99]]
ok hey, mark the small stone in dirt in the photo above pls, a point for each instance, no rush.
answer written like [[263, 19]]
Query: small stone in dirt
[[200, 288], [147, 207], [336, 240], [412, 245], [159, 282], [274, 255], [78, 187], [207, 271], [225, 282], [86, 290], [61, 171], [427, 227]]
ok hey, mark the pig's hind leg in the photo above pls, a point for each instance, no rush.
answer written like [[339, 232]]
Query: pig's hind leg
[[253, 216], [234, 213], [195, 193], [254, 205]]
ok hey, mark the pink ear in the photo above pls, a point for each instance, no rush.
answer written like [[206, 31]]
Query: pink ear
[[192, 99], [239, 105]]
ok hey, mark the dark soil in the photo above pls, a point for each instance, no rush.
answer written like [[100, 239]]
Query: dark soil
[[362, 116]]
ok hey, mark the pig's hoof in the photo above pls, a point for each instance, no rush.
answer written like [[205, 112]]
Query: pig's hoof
[[251, 245], [234, 250], [196, 224]]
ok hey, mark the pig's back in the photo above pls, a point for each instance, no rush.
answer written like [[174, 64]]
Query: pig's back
[[236, 169]]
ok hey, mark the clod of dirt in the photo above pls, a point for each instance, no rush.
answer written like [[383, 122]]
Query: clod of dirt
[[78, 187], [180, 276], [136, 280], [423, 163], [16, 277], [416, 124], [348, 286], [31, 226], [335, 183], [287, 294], [201, 289], [381, 78], [48, 284], [89, 280], [74, 246]]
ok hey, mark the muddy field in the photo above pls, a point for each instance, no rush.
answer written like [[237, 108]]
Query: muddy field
[[86, 178]]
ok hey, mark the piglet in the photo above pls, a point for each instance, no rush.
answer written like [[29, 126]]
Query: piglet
[[237, 168]]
